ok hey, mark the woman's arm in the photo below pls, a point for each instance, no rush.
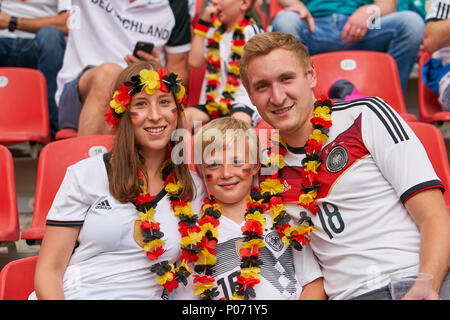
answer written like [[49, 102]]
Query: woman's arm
[[314, 290], [56, 249]]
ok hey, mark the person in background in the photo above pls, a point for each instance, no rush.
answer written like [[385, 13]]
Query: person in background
[[218, 39], [32, 35], [356, 169], [100, 44], [325, 26]]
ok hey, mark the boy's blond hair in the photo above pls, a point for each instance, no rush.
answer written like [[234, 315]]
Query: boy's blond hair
[[263, 43], [225, 132]]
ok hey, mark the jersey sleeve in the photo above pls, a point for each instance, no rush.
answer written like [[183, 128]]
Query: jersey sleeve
[[397, 151], [69, 206], [180, 37], [64, 5], [307, 268], [438, 10]]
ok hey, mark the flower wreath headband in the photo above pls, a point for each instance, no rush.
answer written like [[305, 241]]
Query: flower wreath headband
[[149, 81]]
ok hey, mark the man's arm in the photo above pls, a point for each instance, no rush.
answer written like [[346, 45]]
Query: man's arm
[[436, 35], [34, 24], [429, 212]]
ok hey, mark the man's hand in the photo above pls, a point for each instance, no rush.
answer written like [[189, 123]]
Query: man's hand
[[208, 13], [357, 25], [154, 56]]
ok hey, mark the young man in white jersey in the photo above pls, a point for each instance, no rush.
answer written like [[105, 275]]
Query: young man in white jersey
[[363, 175], [101, 41]]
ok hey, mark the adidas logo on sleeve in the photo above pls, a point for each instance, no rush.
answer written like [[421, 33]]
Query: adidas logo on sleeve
[[103, 205]]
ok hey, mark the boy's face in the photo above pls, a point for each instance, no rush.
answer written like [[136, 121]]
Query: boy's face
[[229, 175]]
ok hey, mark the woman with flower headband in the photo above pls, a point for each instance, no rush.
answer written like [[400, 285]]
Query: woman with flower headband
[[218, 40], [113, 229], [242, 256]]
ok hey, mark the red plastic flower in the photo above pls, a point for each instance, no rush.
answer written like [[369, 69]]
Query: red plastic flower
[[253, 226], [111, 119], [203, 279], [249, 282], [209, 219], [154, 254], [143, 198]]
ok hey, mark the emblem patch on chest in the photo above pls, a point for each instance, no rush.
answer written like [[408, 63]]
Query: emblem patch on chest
[[274, 241], [337, 159]]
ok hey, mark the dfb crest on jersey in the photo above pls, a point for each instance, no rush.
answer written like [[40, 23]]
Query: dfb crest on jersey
[[337, 159], [274, 241]]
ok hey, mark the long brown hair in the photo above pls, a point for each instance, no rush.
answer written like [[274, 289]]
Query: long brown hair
[[126, 156]]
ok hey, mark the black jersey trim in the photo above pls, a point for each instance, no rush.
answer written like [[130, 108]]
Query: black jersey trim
[[387, 116], [181, 32], [57, 223], [421, 187]]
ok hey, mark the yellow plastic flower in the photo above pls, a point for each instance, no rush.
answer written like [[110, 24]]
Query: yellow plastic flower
[[217, 36], [273, 186], [202, 287], [184, 210], [191, 238], [258, 216], [149, 216], [275, 159], [250, 272], [234, 69], [150, 78], [223, 107], [117, 106], [238, 50], [312, 166], [237, 297], [205, 257], [168, 276], [323, 112], [173, 188], [275, 210], [180, 94], [230, 88], [307, 198], [251, 243], [208, 226], [319, 136], [211, 106], [213, 76], [153, 244]]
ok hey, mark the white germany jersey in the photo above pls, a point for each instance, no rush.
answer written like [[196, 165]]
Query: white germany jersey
[[107, 262], [105, 31], [371, 164], [283, 273]]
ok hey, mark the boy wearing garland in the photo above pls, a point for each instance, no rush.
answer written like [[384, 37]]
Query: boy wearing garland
[[242, 256], [218, 41], [355, 170]]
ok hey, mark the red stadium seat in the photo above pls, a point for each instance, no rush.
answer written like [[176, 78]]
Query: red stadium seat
[[65, 133], [430, 110], [434, 144], [17, 279], [23, 93], [373, 74], [53, 161], [9, 218]]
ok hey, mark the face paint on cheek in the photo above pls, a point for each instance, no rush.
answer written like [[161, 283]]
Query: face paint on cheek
[[174, 112], [208, 177], [133, 116]]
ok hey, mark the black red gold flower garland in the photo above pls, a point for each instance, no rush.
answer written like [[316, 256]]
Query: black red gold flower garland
[[272, 187], [252, 230], [168, 275], [213, 71], [149, 81]]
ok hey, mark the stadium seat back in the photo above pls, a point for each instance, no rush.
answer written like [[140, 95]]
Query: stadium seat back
[[53, 161], [25, 117], [17, 279], [373, 74], [9, 218]]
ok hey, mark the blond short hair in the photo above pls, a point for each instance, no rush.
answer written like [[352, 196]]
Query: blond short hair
[[263, 43], [226, 132]]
